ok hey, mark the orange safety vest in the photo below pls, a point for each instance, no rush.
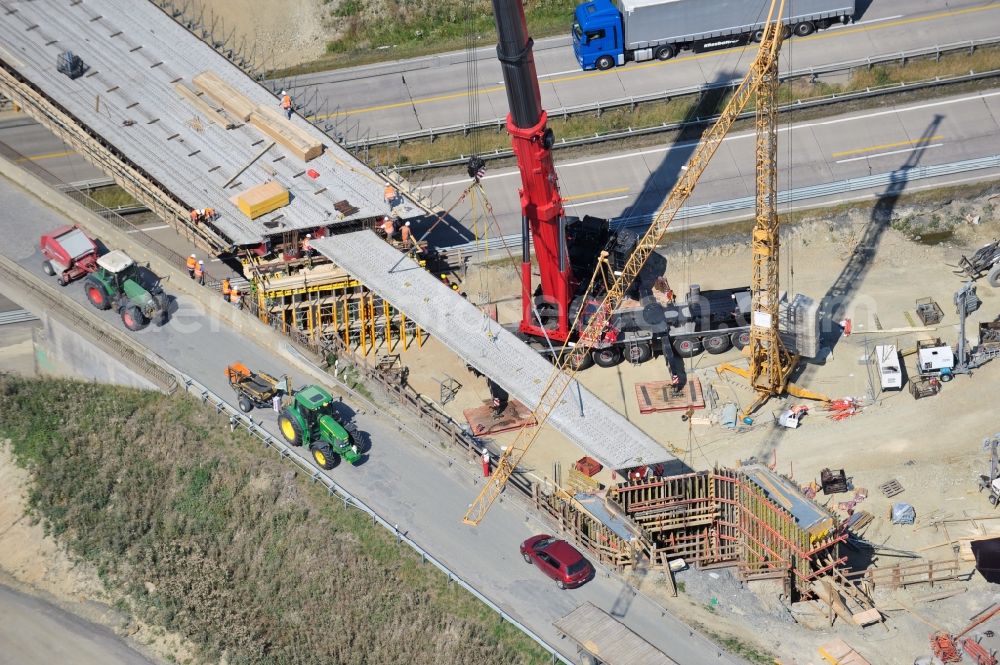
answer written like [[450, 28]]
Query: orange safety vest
[[234, 297], [390, 192], [192, 263], [225, 287], [286, 102], [198, 271]]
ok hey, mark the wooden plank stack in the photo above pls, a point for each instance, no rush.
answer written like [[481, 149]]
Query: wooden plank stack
[[299, 143], [261, 199], [235, 103], [269, 121]]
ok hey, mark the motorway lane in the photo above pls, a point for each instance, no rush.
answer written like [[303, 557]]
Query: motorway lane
[[634, 183], [33, 142], [35, 632], [413, 486], [384, 101]]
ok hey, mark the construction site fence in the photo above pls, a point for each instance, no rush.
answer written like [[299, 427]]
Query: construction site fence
[[116, 343], [239, 420], [632, 101]]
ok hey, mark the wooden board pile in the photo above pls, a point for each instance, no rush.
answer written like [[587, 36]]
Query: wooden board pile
[[269, 121]]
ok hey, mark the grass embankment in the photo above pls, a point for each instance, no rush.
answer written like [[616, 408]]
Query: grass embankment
[[687, 107], [380, 30], [203, 533]]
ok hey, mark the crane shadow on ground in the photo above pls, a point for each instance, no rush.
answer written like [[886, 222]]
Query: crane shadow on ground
[[841, 292], [838, 298], [661, 180]]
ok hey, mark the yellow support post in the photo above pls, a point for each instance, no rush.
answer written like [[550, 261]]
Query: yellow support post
[[362, 312], [387, 322], [347, 324], [371, 320], [402, 331]]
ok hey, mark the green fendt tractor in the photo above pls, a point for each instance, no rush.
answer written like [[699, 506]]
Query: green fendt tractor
[[116, 283], [309, 420]]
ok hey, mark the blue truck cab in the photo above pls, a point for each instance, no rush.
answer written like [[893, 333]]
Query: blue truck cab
[[597, 35]]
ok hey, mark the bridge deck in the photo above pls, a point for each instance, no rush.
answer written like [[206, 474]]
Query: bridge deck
[[135, 54], [602, 432]]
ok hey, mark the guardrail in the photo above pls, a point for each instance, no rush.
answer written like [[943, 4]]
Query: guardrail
[[244, 422], [80, 319], [16, 316], [634, 100], [458, 253], [812, 102]]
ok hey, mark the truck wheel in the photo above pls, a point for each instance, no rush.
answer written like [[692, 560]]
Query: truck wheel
[[246, 406], [757, 36], [324, 456], [687, 348], [607, 357], [133, 318], [289, 428], [994, 499], [741, 339], [945, 378], [96, 294], [48, 269], [993, 277], [804, 29], [639, 353], [665, 52], [605, 62], [718, 344]]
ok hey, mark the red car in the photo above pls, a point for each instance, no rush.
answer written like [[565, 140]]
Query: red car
[[557, 559]]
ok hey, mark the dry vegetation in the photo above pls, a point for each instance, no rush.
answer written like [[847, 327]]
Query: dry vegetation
[[687, 107], [372, 30], [201, 532]]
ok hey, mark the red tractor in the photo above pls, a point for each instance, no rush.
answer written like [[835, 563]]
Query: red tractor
[[69, 254]]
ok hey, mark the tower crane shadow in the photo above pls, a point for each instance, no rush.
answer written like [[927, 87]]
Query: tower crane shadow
[[840, 293], [838, 297]]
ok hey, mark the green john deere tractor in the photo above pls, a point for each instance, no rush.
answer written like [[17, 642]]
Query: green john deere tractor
[[309, 420], [116, 283]]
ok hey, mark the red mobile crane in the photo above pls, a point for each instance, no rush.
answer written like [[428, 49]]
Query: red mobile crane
[[541, 205], [570, 251]]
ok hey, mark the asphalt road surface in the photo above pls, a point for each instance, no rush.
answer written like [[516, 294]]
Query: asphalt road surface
[[386, 99], [34, 632], [634, 183], [410, 484]]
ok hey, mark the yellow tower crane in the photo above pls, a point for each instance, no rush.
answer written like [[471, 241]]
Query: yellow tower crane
[[771, 364], [571, 357]]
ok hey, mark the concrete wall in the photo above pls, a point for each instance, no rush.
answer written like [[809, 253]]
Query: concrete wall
[[62, 352]]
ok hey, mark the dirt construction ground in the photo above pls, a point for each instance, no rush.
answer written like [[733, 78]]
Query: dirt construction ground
[[932, 447]]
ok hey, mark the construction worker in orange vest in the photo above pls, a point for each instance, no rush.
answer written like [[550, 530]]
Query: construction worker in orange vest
[[406, 235], [235, 298], [208, 214], [192, 263], [199, 272], [388, 227], [225, 289], [390, 195], [195, 217], [286, 104]]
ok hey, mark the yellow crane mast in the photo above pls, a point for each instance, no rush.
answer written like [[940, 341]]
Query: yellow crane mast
[[771, 364], [571, 356]]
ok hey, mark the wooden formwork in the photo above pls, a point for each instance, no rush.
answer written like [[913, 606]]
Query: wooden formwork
[[599, 540], [720, 518]]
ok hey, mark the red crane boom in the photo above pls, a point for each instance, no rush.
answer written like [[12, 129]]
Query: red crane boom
[[542, 215]]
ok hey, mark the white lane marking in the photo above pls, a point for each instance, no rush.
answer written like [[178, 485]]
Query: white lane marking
[[587, 203], [149, 228], [874, 20], [733, 137], [891, 152]]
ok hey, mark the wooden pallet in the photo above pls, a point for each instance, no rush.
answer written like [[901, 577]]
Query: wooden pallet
[[838, 652], [891, 488], [658, 396], [482, 422]]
